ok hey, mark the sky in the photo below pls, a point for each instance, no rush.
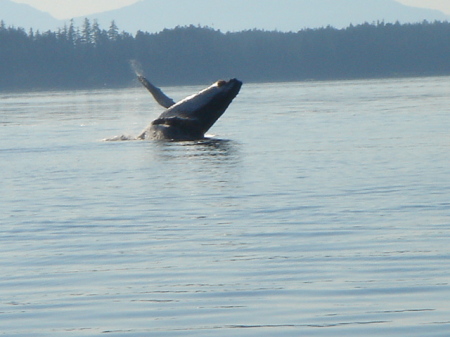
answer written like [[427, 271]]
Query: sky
[[67, 9]]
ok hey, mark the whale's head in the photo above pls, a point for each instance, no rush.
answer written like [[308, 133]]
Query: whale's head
[[213, 101], [208, 105]]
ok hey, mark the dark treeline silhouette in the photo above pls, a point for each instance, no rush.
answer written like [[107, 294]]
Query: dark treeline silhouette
[[90, 56]]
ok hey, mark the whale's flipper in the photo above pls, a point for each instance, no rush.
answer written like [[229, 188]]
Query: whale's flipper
[[159, 96]]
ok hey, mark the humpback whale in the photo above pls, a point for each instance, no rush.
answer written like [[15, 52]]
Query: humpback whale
[[190, 118]]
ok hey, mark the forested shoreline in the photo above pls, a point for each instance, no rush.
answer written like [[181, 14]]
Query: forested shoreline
[[90, 56]]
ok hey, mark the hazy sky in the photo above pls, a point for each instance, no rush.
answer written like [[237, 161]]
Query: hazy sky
[[72, 8]]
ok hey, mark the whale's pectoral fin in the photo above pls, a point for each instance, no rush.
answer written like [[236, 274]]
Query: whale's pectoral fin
[[159, 96]]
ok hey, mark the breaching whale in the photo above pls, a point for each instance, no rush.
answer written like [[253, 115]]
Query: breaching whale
[[190, 118]]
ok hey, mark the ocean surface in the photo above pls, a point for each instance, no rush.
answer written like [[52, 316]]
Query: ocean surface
[[314, 209]]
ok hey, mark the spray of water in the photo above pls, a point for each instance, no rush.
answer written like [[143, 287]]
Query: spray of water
[[138, 70], [137, 67]]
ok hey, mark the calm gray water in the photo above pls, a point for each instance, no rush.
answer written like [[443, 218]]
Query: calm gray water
[[316, 209]]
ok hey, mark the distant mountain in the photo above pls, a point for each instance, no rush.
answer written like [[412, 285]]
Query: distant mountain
[[25, 16], [231, 15], [282, 15]]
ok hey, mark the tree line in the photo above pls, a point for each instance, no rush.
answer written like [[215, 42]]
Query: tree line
[[90, 56]]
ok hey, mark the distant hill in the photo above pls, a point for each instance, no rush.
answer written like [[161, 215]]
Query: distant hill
[[282, 15], [231, 15], [25, 16]]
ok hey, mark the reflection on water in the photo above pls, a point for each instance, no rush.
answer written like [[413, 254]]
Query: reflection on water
[[209, 147]]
